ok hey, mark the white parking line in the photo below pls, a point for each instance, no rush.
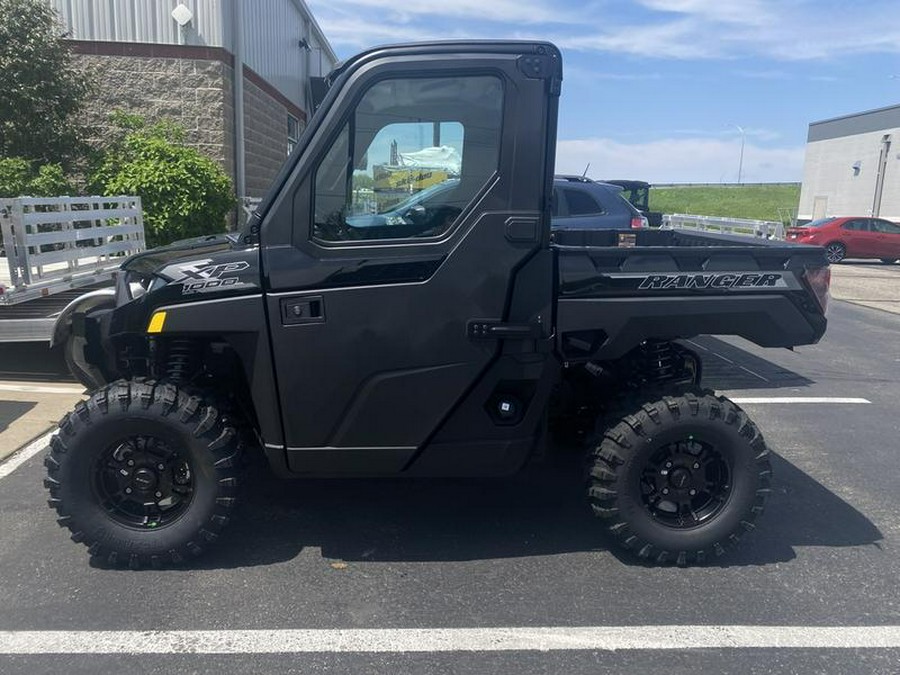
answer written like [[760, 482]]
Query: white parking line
[[42, 389], [26, 453], [541, 639], [799, 399], [754, 373]]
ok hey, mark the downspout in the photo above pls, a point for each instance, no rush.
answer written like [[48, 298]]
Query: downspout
[[307, 69], [240, 173]]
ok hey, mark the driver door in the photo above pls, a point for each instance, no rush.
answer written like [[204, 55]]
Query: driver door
[[371, 306]]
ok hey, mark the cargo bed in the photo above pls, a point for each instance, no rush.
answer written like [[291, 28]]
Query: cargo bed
[[617, 288]]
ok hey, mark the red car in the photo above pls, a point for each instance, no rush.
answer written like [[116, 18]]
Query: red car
[[851, 237]]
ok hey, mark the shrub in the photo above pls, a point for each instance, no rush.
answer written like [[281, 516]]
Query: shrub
[[183, 193], [19, 177]]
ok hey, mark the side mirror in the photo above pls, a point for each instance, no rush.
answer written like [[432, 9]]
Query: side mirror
[[416, 213]]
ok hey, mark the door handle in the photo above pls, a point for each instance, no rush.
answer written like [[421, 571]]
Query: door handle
[[310, 309], [486, 329]]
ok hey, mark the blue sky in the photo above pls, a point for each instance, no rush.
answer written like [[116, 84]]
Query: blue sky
[[654, 89]]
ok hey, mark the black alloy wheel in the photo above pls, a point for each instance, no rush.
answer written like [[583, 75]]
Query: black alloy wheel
[[143, 482], [686, 483]]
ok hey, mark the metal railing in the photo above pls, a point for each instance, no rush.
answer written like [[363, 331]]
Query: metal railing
[[60, 243], [763, 229]]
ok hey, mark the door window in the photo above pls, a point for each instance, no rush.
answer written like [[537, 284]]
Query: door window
[[885, 227], [410, 159], [858, 225]]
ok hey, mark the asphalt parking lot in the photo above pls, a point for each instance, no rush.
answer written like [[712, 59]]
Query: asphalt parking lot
[[514, 570]]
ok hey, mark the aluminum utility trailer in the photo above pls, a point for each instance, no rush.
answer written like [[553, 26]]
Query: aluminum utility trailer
[[53, 249]]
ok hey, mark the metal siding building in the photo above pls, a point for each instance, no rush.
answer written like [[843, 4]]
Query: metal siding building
[[146, 21], [852, 166], [146, 63]]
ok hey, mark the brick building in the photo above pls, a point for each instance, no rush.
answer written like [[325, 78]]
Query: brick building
[[177, 59]]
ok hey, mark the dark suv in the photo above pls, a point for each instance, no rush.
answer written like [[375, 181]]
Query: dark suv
[[583, 204]]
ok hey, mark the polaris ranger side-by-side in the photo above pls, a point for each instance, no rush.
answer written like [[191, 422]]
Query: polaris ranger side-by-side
[[448, 340]]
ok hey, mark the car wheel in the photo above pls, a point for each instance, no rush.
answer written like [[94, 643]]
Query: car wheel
[[835, 252], [888, 261]]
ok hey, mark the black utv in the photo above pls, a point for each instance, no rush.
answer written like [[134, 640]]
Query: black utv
[[450, 339]]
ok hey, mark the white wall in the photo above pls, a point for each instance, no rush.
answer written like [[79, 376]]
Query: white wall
[[828, 172], [148, 21]]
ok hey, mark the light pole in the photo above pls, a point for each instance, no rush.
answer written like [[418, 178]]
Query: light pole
[[741, 162]]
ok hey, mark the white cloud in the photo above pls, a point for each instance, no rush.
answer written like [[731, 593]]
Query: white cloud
[[588, 75], [740, 12], [679, 160], [785, 30], [770, 74], [675, 39], [505, 11]]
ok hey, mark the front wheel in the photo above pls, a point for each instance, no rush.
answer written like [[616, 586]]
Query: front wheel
[[143, 473], [681, 478]]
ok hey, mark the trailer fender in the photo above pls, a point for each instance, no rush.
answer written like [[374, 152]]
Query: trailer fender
[[73, 344], [102, 298]]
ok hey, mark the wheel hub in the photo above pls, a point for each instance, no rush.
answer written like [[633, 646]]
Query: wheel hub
[[680, 478], [685, 484], [143, 482]]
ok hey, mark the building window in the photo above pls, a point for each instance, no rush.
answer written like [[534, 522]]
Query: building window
[[293, 132]]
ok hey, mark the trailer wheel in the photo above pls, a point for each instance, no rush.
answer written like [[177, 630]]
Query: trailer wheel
[[143, 474], [679, 479]]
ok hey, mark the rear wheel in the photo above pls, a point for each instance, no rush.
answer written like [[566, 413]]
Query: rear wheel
[[889, 261], [143, 473], [679, 479], [835, 252]]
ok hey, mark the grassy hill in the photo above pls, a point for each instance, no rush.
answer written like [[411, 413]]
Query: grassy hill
[[760, 202]]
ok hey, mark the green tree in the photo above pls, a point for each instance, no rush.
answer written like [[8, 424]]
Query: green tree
[[42, 90], [183, 193]]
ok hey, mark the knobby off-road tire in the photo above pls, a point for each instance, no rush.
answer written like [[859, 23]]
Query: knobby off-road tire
[[143, 474], [643, 468]]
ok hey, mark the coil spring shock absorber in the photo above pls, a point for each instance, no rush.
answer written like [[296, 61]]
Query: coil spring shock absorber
[[181, 360], [658, 360]]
